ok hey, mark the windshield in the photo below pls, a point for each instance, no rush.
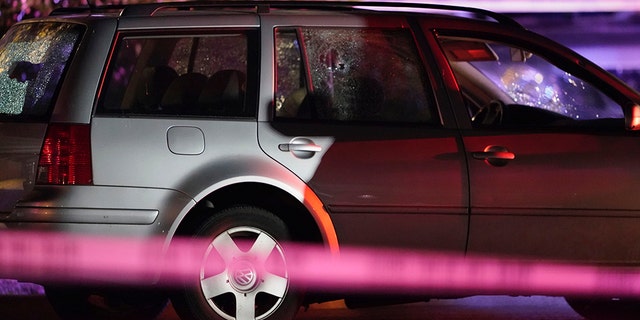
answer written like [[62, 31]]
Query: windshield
[[33, 58]]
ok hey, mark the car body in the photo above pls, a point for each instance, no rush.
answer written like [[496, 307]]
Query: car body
[[337, 123]]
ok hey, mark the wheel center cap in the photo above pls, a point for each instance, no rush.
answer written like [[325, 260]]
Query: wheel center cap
[[243, 275]]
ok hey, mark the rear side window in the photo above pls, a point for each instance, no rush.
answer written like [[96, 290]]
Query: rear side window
[[33, 59], [351, 74], [175, 75]]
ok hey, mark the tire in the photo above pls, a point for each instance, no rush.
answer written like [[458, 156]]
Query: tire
[[606, 309], [74, 303], [246, 281]]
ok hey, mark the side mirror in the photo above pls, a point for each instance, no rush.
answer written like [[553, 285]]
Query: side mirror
[[468, 51], [632, 118]]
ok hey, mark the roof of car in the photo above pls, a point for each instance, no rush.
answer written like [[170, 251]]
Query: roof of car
[[265, 6]]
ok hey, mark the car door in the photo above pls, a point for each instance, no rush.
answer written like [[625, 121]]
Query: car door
[[553, 172], [354, 116]]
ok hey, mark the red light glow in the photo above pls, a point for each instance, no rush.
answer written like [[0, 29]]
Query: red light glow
[[66, 155]]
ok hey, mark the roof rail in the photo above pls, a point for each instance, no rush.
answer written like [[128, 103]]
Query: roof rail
[[497, 17], [86, 9], [264, 5]]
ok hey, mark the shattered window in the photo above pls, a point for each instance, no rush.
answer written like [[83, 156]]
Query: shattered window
[[355, 74], [510, 86], [33, 58], [537, 83]]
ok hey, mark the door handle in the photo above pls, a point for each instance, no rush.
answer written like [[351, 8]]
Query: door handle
[[497, 156], [299, 147], [302, 148]]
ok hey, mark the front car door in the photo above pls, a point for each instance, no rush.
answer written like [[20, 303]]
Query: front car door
[[354, 116], [553, 171]]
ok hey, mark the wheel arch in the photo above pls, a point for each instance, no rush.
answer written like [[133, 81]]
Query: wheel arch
[[302, 211]]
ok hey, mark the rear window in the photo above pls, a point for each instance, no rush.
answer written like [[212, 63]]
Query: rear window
[[33, 59]]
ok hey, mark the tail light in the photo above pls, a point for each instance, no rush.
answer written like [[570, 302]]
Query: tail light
[[65, 157]]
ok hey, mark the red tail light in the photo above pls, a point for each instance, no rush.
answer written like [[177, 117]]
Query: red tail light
[[65, 157]]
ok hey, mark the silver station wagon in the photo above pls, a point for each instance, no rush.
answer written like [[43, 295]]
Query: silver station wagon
[[377, 124]]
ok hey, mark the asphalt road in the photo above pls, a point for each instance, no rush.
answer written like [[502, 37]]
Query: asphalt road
[[478, 308]]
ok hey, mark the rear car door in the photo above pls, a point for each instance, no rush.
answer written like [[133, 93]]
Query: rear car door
[[354, 115], [553, 171]]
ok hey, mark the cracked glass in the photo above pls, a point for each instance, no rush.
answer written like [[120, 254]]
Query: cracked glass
[[33, 58], [354, 74]]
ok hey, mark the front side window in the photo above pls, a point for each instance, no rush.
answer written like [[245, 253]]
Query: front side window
[[351, 74], [33, 59], [508, 86], [202, 75]]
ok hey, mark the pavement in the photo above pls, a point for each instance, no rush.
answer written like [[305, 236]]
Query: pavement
[[36, 307], [25, 301]]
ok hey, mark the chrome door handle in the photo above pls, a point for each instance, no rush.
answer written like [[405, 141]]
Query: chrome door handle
[[302, 148], [494, 155], [299, 147]]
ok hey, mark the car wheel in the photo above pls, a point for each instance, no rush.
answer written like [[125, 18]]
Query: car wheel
[[244, 272], [71, 303], [606, 309]]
